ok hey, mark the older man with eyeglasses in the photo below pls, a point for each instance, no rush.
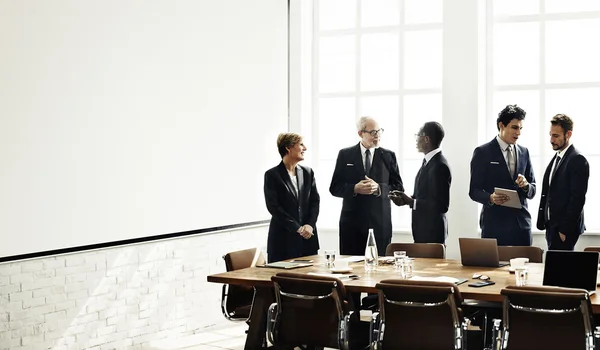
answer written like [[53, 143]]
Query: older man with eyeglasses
[[364, 175]]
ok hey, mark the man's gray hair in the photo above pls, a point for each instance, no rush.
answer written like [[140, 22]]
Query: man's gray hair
[[361, 124]]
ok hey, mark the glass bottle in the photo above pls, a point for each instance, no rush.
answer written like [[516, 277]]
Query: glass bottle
[[371, 255]]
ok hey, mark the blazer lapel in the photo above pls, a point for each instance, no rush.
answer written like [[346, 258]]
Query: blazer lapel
[[564, 158], [520, 165], [501, 160], [358, 161], [287, 180], [300, 176]]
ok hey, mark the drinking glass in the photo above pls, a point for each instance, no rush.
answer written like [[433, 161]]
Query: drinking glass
[[521, 275], [330, 257], [399, 255], [407, 268]]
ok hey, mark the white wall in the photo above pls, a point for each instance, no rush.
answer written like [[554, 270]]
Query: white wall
[[119, 119], [129, 297]]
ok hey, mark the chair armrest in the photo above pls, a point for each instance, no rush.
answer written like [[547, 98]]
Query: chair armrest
[[271, 319]]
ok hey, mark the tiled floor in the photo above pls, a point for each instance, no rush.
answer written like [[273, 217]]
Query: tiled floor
[[223, 335]]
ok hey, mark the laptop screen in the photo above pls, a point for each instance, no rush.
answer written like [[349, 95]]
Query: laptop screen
[[571, 269]]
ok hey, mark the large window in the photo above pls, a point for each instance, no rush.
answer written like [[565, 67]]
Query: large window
[[543, 56], [381, 58]]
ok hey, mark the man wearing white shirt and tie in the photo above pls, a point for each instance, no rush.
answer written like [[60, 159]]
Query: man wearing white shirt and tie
[[563, 189], [431, 195], [501, 163], [364, 175]]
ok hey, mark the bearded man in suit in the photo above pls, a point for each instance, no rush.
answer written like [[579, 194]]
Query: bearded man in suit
[[563, 189]]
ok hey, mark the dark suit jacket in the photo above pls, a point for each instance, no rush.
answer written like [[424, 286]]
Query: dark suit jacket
[[289, 212], [361, 212], [566, 194], [432, 194], [509, 226]]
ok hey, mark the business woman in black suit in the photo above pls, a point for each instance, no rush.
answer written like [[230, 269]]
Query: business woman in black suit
[[363, 179], [431, 196], [494, 165], [563, 190], [293, 201]]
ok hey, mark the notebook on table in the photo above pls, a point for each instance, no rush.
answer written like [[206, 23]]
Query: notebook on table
[[571, 269], [285, 265], [480, 252]]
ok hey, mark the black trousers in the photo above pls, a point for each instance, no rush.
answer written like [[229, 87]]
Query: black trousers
[[554, 241]]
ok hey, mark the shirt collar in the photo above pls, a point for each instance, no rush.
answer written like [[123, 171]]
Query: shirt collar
[[503, 145], [562, 153], [431, 154], [363, 149]]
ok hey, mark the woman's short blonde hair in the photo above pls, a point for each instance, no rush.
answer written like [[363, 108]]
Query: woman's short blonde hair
[[287, 140]]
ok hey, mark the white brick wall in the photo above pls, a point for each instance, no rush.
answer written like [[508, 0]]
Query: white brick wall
[[120, 298]]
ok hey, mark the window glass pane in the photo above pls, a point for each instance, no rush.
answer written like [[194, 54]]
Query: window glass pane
[[516, 7], [385, 110], [423, 59], [330, 206], [582, 106], [401, 216], [379, 62], [554, 6], [337, 14], [337, 126], [572, 52], [380, 13], [418, 109], [592, 202], [534, 204], [530, 102], [423, 11], [337, 64], [516, 53]]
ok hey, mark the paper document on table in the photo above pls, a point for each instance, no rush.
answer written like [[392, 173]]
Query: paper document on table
[[454, 280], [336, 275], [354, 258], [513, 196]]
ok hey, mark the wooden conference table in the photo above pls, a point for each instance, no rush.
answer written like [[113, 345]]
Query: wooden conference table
[[260, 278]]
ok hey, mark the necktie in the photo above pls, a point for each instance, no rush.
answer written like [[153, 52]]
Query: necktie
[[420, 171], [367, 162], [555, 167], [511, 161]]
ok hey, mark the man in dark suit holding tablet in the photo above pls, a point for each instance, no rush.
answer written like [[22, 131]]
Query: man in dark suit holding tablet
[[504, 164]]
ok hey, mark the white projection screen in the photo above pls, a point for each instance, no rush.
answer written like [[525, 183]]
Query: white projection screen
[[127, 119]]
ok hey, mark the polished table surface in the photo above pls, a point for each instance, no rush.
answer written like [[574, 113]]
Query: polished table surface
[[261, 277]]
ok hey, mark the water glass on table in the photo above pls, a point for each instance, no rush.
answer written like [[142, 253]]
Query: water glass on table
[[407, 268], [521, 275], [399, 256], [330, 257]]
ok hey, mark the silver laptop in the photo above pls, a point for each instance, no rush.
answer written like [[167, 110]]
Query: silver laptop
[[480, 252], [571, 269]]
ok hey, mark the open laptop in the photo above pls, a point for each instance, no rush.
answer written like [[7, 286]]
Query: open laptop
[[571, 269], [480, 252]]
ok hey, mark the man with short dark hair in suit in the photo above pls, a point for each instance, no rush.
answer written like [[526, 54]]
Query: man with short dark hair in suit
[[504, 164], [563, 189], [363, 176], [431, 196]]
